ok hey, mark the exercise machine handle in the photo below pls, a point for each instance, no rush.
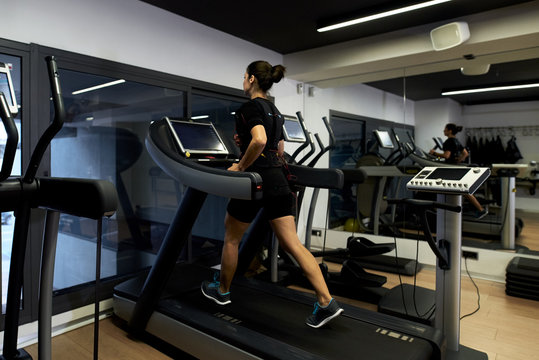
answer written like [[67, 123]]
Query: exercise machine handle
[[323, 149], [305, 132], [426, 204], [11, 141], [330, 133], [54, 127], [309, 142]]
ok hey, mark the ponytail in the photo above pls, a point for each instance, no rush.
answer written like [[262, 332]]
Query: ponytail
[[453, 128], [265, 74]]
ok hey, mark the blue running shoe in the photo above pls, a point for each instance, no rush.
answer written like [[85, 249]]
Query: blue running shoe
[[210, 289], [322, 315], [480, 214]]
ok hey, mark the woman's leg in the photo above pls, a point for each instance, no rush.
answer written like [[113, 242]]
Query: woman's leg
[[234, 230], [474, 202], [285, 230]]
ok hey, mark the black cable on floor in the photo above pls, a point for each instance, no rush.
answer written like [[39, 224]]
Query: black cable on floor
[[476, 289]]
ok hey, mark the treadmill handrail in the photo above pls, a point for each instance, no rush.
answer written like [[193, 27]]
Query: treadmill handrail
[[221, 182]]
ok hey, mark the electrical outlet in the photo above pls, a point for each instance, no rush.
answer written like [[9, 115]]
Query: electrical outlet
[[470, 255]]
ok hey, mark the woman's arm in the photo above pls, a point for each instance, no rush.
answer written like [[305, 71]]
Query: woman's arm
[[463, 155], [446, 154], [280, 150], [255, 148]]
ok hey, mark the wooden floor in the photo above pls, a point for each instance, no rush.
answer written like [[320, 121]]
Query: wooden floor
[[506, 328]]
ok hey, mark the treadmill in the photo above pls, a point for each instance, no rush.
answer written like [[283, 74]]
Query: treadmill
[[264, 321]]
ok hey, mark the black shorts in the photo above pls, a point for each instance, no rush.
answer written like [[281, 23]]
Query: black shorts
[[274, 208], [277, 199]]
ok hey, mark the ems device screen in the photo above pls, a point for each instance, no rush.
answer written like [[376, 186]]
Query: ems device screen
[[448, 173], [4, 87], [293, 130], [198, 136]]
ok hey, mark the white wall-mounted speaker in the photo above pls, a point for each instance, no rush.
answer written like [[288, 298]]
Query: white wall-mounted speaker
[[449, 35], [475, 69]]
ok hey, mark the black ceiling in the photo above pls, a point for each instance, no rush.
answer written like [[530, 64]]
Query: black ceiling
[[290, 26]]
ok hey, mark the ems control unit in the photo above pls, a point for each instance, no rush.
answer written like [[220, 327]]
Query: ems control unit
[[449, 180]]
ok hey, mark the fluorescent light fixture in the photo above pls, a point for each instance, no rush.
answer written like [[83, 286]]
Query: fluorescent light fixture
[[112, 83], [494, 88], [382, 15], [200, 117]]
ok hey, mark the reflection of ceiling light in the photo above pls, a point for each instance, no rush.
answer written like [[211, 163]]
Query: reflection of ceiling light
[[89, 118], [381, 15], [494, 88], [476, 69], [112, 83], [200, 117]]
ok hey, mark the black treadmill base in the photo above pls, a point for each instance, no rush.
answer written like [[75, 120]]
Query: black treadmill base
[[419, 303], [465, 353], [249, 316], [21, 355]]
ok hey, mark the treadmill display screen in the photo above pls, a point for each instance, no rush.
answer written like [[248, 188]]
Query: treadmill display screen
[[448, 173], [292, 130], [384, 139], [197, 138]]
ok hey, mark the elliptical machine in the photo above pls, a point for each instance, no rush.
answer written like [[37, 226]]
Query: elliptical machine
[[79, 197]]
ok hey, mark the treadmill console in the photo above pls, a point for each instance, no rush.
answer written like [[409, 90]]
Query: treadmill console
[[449, 180], [511, 170]]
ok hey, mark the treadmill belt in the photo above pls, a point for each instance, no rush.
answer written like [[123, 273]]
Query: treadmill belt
[[283, 319]]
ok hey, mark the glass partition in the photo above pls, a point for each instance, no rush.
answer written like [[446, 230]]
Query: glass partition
[[103, 138]]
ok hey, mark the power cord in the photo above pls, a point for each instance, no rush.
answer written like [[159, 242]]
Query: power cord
[[430, 311], [476, 289]]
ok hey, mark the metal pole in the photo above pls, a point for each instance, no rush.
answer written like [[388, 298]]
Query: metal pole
[[449, 227], [50, 239]]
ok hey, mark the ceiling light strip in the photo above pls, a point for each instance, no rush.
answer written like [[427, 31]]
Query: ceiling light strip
[[199, 117], [112, 83], [381, 15], [494, 88]]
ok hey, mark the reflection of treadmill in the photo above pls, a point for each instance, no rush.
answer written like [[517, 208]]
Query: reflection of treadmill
[[504, 227], [263, 321]]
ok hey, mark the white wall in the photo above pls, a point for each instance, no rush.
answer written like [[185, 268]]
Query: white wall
[[135, 33], [431, 116]]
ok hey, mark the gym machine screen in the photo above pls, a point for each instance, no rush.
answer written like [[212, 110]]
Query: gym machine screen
[[292, 130], [384, 139], [6, 86], [193, 138], [448, 173]]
